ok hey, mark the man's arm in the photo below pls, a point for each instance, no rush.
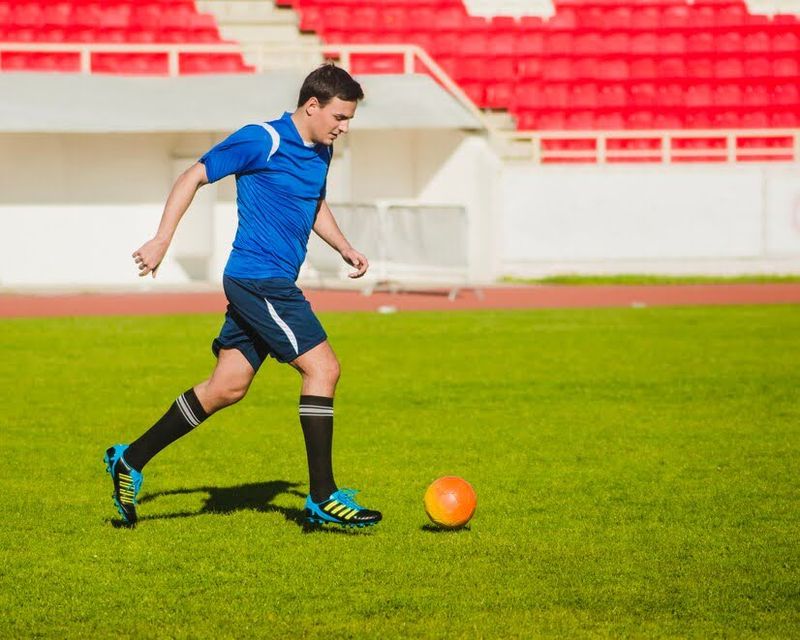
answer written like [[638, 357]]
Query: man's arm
[[326, 228], [149, 256]]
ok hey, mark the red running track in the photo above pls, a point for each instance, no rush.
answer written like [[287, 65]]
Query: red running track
[[507, 297]]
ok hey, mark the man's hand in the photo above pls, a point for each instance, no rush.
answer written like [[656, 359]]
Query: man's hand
[[357, 260], [148, 257]]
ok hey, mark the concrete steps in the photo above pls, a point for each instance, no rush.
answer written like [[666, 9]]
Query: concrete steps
[[255, 23]]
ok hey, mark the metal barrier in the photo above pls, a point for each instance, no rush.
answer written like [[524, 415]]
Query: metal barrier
[[660, 146], [408, 244]]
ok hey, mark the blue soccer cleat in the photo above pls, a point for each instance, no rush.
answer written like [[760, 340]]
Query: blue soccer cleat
[[342, 509], [127, 482]]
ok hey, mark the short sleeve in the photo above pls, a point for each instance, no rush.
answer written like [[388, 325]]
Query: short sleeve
[[247, 149]]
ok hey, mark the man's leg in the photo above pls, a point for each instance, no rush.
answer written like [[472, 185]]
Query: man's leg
[[325, 503], [319, 369], [227, 385]]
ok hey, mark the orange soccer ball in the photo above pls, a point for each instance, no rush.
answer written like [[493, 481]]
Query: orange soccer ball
[[450, 502]]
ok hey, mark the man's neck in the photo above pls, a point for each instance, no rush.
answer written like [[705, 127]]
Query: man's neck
[[299, 119]]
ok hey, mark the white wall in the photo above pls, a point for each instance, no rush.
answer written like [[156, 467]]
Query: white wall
[[74, 207], [700, 218]]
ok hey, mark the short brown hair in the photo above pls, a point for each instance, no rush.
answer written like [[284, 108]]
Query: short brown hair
[[328, 82]]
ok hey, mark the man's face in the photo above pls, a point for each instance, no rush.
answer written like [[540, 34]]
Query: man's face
[[329, 122]]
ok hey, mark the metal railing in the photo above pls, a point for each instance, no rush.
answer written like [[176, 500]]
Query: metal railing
[[664, 146], [601, 147], [87, 50]]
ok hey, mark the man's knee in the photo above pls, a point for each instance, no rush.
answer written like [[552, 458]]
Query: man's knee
[[232, 394], [327, 369], [222, 394]]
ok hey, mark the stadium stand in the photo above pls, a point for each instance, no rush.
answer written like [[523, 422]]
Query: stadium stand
[[709, 66], [603, 65], [620, 64], [114, 22]]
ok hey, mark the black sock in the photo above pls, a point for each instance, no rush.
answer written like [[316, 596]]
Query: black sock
[[184, 415], [316, 418]]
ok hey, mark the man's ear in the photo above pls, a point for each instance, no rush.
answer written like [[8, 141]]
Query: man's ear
[[312, 105]]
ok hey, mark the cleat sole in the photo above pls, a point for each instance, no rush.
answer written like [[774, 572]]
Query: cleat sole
[[344, 525]]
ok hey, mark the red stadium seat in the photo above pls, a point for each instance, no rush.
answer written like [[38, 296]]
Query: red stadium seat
[[727, 95], [670, 95], [363, 18], [641, 119], [755, 96], [699, 95], [557, 69], [786, 67], [528, 44], [593, 64], [673, 67], [757, 42], [112, 22], [610, 120], [32, 61], [645, 17], [203, 63], [528, 95], [785, 94], [643, 68], [474, 43], [757, 67], [394, 19], [754, 120], [730, 15], [700, 43], [588, 44], [529, 68], [613, 69], [612, 95], [555, 96], [728, 67], [675, 16], [672, 44], [700, 67], [130, 63], [642, 94], [499, 95]]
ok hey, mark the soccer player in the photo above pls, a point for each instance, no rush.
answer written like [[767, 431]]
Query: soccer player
[[281, 170]]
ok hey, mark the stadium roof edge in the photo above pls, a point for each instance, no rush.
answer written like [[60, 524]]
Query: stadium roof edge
[[66, 103]]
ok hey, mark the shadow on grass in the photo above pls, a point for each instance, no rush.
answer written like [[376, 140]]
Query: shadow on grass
[[254, 496], [432, 528]]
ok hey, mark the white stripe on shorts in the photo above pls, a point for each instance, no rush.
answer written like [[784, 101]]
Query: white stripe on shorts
[[279, 321]]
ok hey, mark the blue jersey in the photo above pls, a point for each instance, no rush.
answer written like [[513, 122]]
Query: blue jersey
[[280, 180]]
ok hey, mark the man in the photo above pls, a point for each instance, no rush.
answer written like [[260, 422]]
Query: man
[[281, 170]]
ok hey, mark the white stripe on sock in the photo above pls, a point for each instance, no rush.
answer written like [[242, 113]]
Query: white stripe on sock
[[187, 412]]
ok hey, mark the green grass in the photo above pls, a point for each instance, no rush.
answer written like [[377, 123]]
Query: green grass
[[643, 279], [637, 475]]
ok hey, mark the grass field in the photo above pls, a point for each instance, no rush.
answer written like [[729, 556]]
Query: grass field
[[637, 474]]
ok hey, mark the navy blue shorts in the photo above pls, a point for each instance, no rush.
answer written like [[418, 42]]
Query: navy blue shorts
[[269, 317]]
